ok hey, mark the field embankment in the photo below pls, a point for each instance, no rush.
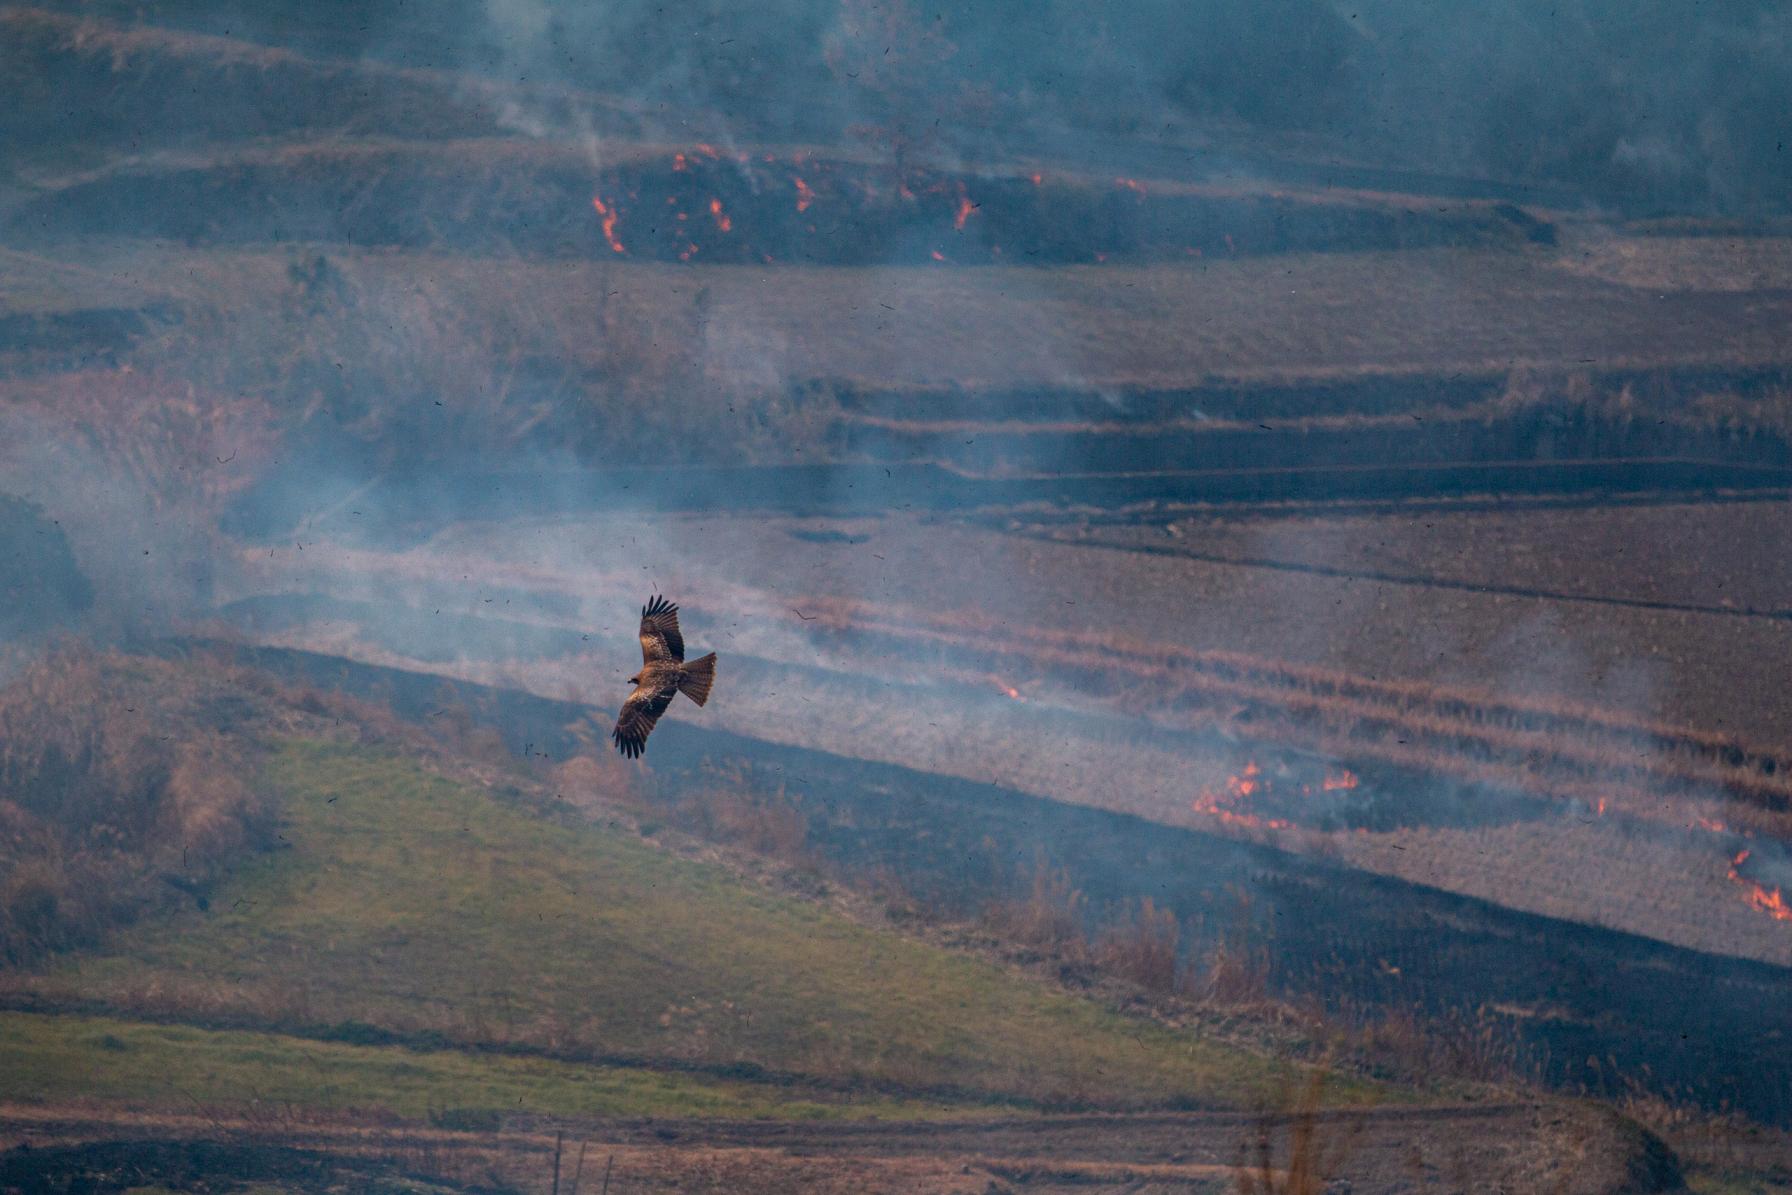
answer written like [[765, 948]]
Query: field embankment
[[421, 910]]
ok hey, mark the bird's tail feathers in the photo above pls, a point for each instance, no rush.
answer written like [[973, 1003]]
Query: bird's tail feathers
[[696, 678]]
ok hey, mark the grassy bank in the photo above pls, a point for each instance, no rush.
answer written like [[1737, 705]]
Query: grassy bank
[[410, 904]]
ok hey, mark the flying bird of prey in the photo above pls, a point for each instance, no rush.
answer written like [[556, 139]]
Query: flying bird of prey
[[663, 674]]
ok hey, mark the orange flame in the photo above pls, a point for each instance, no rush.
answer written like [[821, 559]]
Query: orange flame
[[1036, 177], [722, 220], [678, 162], [1771, 901], [1216, 803], [804, 196], [1131, 184], [1711, 824], [1222, 802], [1599, 808], [965, 208], [938, 256], [608, 216]]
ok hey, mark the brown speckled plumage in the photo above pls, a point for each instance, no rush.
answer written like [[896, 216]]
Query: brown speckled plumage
[[663, 674]]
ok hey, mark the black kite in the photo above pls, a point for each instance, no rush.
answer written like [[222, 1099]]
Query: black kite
[[663, 674]]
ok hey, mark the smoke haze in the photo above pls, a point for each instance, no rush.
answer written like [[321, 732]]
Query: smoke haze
[[1317, 467]]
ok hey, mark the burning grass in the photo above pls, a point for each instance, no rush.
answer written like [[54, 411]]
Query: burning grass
[[1670, 887], [761, 206], [1536, 744], [1525, 852], [1764, 898]]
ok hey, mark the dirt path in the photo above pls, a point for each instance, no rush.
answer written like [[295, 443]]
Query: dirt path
[[1564, 1148]]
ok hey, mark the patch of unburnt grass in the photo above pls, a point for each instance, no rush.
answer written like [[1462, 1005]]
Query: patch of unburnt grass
[[417, 905]]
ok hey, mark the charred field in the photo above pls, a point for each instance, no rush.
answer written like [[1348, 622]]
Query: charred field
[[1261, 599]]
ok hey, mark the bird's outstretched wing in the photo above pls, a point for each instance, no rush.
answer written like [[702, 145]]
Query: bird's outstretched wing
[[639, 713], [660, 636]]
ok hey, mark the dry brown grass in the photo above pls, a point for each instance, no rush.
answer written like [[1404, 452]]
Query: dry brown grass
[[1769, 411], [187, 450], [1142, 944], [148, 80], [137, 468], [1288, 320], [726, 805], [1310, 1156], [1051, 916], [122, 788], [1477, 1047], [1234, 971], [1019, 438], [1538, 744], [1141, 947], [1722, 1142], [729, 809], [427, 370]]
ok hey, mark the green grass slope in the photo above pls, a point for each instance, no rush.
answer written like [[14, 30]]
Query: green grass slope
[[56, 1057], [412, 904]]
